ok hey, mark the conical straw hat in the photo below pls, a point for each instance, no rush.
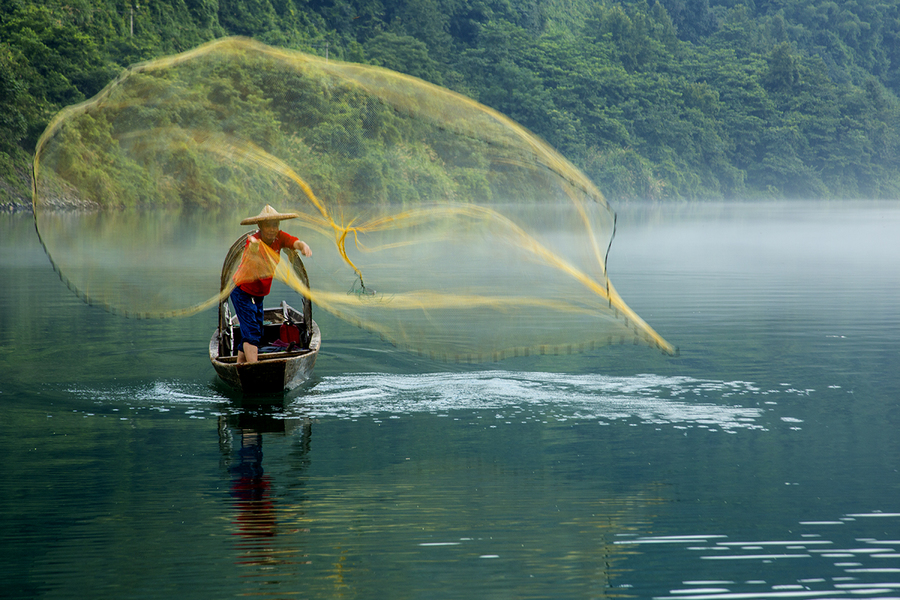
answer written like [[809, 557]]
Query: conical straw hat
[[269, 214]]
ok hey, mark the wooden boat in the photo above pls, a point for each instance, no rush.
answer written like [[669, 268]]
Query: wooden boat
[[280, 367]]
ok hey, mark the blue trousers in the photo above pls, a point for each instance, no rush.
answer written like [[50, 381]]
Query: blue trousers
[[249, 310]]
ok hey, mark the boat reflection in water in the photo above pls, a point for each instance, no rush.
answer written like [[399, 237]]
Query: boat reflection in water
[[257, 516]]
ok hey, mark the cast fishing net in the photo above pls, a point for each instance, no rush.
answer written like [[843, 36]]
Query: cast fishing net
[[435, 222]]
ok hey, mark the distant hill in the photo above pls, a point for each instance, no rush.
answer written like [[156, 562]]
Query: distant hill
[[678, 99]]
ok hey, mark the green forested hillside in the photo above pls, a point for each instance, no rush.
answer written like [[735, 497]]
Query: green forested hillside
[[675, 99]]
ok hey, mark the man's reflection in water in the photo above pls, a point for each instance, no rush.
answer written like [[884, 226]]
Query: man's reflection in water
[[250, 488], [254, 501]]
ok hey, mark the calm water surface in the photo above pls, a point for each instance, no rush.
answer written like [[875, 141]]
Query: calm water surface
[[762, 462]]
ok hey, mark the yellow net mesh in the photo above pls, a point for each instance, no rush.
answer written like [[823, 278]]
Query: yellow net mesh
[[434, 221]]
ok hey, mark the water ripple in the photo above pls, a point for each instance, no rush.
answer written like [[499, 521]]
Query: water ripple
[[514, 397], [646, 399], [873, 572]]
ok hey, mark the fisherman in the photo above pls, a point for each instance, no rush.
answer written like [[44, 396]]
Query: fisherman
[[253, 278]]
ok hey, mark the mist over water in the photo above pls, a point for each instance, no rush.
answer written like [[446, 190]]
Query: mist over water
[[761, 462]]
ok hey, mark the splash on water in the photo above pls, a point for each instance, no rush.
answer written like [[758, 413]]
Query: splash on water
[[512, 397]]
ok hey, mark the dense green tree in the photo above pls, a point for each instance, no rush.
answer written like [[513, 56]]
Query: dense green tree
[[13, 119], [692, 18], [403, 53], [51, 61]]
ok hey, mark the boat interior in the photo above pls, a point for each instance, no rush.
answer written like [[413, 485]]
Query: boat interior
[[284, 335]]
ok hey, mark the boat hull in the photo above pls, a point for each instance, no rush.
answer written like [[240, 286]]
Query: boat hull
[[273, 373]]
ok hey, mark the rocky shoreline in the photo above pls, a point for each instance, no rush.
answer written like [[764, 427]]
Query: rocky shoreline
[[16, 207]]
